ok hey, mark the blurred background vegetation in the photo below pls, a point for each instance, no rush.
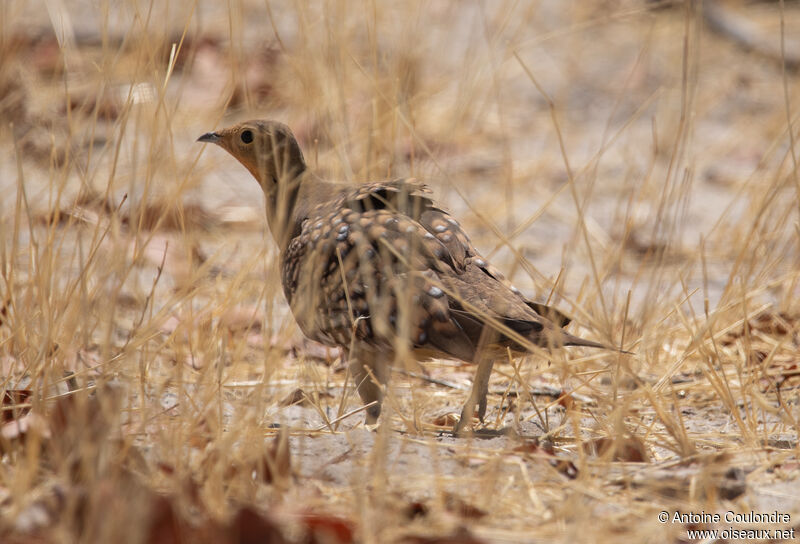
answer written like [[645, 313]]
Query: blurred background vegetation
[[634, 162]]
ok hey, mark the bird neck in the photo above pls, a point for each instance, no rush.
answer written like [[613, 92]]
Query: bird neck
[[292, 203]]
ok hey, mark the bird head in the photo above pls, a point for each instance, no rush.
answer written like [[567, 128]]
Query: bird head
[[268, 149]]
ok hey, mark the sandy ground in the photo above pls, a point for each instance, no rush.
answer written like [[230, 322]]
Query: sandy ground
[[625, 152]]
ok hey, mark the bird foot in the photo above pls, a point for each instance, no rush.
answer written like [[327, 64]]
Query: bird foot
[[468, 414], [372, 427], [481, 409], [372, 414], [463, 430], [463, 426]]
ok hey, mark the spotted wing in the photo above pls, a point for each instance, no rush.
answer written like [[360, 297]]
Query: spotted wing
[[383, 262]]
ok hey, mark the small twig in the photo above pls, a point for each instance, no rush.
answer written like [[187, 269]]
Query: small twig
[[344, 416]]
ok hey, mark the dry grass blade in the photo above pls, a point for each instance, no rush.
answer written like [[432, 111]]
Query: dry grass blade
[[633, 164]]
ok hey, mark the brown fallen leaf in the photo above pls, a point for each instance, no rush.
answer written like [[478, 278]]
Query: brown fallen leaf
[[276, 464], [626, 448], [201, 434], [84, 418], [769, 323], [530, 447], [44, 54], [535, 448], [775, 323], [327, 529], [446, 420], [18, 431], [565, 467], [298, 396], [14, 404], [167, 526], [249, 526], [5, 309], [566, 400], [88, 100], [462, 508], [415, 509]]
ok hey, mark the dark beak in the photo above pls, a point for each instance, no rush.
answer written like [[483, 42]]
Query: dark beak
[[210, 137]]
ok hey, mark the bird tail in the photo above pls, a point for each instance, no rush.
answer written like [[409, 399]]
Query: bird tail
[[572, 340]]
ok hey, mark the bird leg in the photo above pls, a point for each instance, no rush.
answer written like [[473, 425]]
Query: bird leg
[[371, 374], [480, 388]]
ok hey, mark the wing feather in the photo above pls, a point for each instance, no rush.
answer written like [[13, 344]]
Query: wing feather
[[382, 262]]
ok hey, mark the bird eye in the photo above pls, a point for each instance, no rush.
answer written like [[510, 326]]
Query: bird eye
[[247, 136]]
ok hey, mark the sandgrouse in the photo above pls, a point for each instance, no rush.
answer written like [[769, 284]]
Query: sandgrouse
[[381, 271]]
